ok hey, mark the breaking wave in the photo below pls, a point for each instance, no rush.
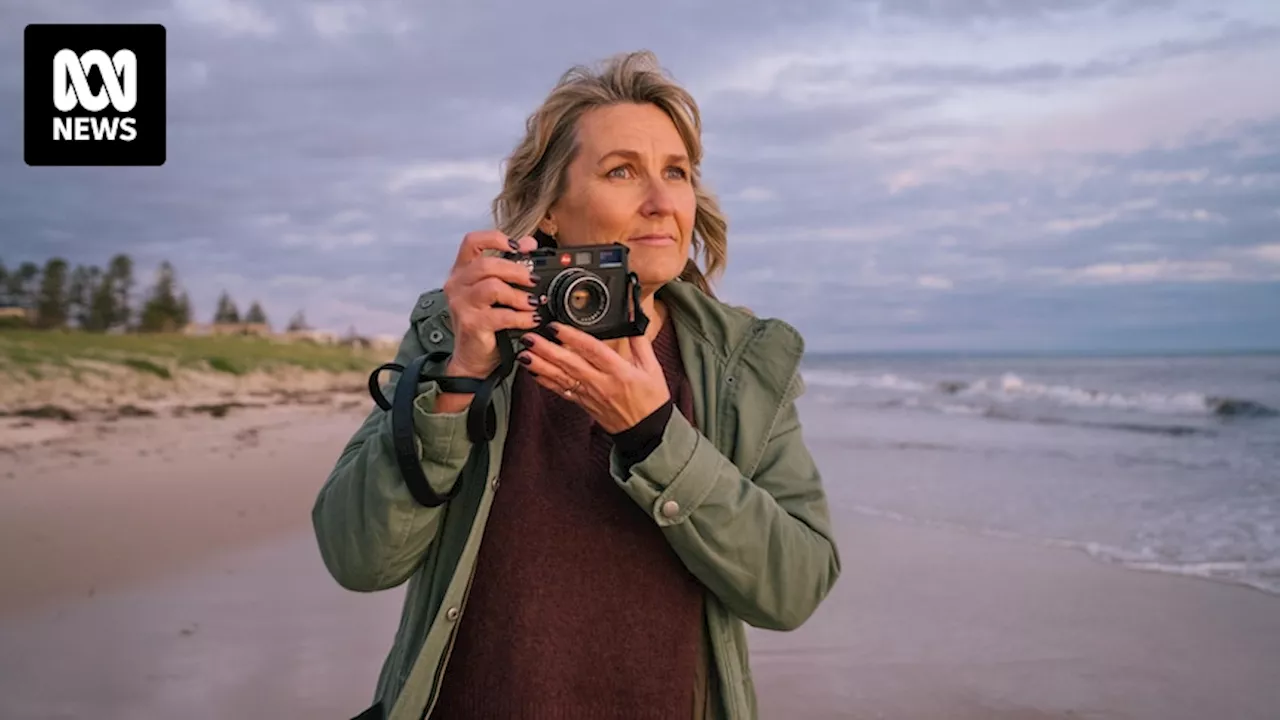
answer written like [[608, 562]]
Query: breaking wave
[[1009, 387]]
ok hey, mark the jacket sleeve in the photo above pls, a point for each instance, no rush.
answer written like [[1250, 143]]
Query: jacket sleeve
[[371, 532], [763, 544]]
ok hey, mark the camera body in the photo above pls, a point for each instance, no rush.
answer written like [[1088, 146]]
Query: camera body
[[589, 288]]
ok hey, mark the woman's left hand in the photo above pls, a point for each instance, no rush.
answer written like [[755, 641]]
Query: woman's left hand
[[616, 392]]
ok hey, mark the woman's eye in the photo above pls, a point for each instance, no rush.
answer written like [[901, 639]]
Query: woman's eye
[[679, 172], [619, 172]]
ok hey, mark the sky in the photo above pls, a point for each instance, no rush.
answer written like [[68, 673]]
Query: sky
[[974, 175]]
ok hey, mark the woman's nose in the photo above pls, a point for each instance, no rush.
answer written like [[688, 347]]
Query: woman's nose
[[658, 199]]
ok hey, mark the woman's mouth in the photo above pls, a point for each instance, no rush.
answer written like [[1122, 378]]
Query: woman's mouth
[[652, 240]]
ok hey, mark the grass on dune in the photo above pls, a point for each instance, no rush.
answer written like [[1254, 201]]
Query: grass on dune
[[25, 352]]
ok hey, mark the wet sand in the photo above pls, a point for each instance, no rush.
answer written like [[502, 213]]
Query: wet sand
[[165, 568]]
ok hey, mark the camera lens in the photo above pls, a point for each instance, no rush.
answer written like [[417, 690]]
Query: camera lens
[[578, 297]]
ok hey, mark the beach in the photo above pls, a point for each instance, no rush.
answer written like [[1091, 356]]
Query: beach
[[165, 567]]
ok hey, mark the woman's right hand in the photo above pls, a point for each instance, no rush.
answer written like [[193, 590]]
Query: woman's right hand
[[476, 284]]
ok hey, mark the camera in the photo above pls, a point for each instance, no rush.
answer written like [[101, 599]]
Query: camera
[[589, 288]]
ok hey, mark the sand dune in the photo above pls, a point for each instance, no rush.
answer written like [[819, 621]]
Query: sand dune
[[104, 390]]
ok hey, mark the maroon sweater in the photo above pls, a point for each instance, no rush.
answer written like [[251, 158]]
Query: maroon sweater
[[579, 607]]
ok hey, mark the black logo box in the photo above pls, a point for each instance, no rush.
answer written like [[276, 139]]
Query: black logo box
[[41, 42]]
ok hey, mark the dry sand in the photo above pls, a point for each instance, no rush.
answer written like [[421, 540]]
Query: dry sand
[[93, 505], [164, 567]]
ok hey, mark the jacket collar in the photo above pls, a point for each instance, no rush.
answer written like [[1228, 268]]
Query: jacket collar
[[722, 327]]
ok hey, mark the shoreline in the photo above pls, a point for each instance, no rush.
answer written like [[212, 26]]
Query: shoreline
[[157, 565], [1093, 551], [23, 433]]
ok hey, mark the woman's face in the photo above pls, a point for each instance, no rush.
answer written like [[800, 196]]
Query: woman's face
[[630, 183]]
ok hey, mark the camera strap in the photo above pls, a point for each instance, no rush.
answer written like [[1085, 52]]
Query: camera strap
[[482, 419]]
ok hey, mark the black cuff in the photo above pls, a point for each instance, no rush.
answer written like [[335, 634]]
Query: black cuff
[[636, 442]]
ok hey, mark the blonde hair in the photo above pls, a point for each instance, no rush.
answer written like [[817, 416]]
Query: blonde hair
[[536, 171]]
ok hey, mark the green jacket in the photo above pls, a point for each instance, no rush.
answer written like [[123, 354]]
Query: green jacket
[[740, 499]]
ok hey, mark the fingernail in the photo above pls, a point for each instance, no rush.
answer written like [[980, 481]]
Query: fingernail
[[514, 244], [526, 341], [551, 333], [524, 358], [533, 301], [533, 279]]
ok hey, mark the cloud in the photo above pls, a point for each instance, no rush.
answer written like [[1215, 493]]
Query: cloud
[[934, 281], [236, 17], [480, 171], [908, 174], [1162, 270], [1094, 220], [1230, 37], [1269, 253]]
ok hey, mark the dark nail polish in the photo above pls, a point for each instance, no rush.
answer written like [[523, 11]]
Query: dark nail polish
[[514, 244], [524, 359], [534, 278], [526, 341], [533, 301], [551, 334]]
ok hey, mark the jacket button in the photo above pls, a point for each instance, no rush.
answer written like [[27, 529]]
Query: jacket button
[[452, 613], [670, 508], [435, 336], [427, 302]]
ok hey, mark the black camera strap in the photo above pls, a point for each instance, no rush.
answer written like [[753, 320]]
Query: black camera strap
[[482, 419]]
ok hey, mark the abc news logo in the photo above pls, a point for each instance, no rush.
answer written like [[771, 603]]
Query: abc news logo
[[107, 105], [71, 90]]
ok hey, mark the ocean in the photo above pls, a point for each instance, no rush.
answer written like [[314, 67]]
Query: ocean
[[1168, 464]]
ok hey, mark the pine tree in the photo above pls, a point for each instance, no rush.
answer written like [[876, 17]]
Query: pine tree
[[79, 291], [163, 310], [121, 273], [51, 300], [256, 315], [226, 312], [184, 310], [298, 322], [102, 304], [93, 278], [22, 289]]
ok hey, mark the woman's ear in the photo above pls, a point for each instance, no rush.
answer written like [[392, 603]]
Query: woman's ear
[[547, 225], [546, 232]]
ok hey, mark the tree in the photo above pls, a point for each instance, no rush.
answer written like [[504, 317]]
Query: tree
[[256, 315], [298, 322], [164, 310], [89, 319], [184, 310], [226, 312], [21, 288], [51, 300], [79, 290], [4, 285], [103, 314], [121, 273]]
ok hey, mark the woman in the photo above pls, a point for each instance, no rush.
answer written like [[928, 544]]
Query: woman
[[641, 500]]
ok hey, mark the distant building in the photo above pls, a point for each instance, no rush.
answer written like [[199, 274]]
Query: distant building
[[320, 337], [385, 342], [254, 329], [14, 314]]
